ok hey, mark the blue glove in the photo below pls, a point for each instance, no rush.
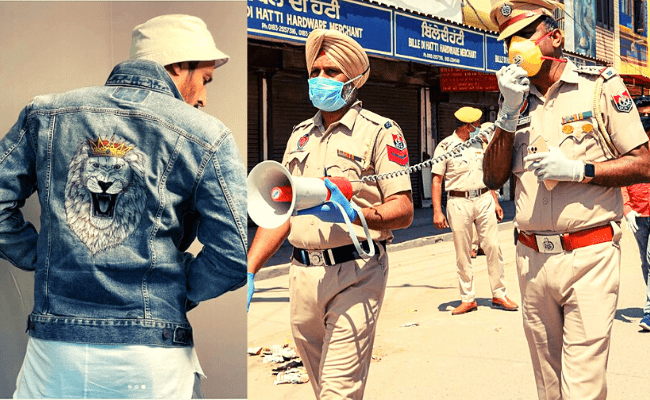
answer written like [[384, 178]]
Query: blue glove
[[554, 165], [328, 212], [251, 289]]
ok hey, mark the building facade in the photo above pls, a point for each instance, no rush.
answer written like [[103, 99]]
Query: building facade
[[427, 59]]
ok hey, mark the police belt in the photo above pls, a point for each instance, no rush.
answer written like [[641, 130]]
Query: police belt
[[565, 241], [336, 255], [471, 194]]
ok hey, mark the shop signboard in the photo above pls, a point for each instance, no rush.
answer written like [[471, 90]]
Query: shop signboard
[[497, 53], [633, 33], [429, 41], [293, 20], [462, 80]]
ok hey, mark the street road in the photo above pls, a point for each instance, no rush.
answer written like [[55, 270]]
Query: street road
[[479, 355]]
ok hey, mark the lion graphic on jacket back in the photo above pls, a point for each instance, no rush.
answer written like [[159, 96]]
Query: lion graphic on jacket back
[[105, 193]]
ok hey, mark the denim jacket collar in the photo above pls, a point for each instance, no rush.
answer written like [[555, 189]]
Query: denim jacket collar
[[144, 74]]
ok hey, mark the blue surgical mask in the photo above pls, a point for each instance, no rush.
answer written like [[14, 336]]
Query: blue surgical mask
[[330, 95]]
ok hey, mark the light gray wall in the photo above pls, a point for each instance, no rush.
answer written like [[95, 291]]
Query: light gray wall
[[50, 47]]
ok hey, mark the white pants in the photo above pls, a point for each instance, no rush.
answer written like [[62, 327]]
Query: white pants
[[462, 215], [61, 370]]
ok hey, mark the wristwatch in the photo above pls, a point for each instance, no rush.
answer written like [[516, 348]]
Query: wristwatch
[[590, 173]]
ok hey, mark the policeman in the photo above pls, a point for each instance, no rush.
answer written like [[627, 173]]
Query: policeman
[[469, 203], [335, 294], [569, 157]]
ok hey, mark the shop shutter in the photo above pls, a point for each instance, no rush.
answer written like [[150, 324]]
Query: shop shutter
[[289, 105], [402, 105], [254, 122], [446, 120]]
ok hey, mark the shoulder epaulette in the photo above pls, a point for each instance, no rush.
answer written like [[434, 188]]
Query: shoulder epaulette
[[608, 72], [303, 123], [605, 72], [373, 117]]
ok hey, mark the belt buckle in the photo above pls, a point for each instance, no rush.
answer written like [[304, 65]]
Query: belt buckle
[[472, 194], [316, 258], [549, 244]]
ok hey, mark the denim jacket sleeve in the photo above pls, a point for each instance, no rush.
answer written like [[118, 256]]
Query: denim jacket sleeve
[[221, 201], [17, 182]]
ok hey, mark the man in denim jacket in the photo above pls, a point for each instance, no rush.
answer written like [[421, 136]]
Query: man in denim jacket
[[127, 175]]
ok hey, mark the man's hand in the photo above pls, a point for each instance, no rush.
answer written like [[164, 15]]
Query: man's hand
[[630, 219], [440, 221], [499, 211], [328, 212], [554, 165], [251, 289], [514, 85]]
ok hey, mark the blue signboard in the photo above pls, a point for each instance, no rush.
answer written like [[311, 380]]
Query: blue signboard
[[293, 20], [633, 52], [584, 32], [497, 53], [438, 43]]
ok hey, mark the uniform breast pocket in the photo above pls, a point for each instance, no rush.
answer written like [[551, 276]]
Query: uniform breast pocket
[[297, 163], [459, 165], [346, 170], [580, 140], [520, 150]]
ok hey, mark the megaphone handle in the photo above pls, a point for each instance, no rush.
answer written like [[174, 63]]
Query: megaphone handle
[[353, 235]]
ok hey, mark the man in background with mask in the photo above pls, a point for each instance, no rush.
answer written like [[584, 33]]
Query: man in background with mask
[[128, 174], [335, 294], [469, 202], [637, 214], [569, 158]]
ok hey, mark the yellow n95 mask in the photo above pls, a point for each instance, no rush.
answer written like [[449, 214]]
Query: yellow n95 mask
[[526, 54]]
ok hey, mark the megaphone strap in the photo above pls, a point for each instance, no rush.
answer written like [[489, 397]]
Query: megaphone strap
[[353, 235]]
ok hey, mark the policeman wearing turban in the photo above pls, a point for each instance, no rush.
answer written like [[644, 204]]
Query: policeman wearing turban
[[469, 203], [335, 293], [571, 136]]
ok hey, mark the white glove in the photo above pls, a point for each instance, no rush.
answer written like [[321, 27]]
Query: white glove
[[514, 85], [554, 165], [630, 219]]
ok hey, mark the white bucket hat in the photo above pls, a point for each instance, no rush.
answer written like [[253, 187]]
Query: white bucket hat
[[169, 39]]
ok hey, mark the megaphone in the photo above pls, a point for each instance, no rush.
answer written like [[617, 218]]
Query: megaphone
[[274, 195]]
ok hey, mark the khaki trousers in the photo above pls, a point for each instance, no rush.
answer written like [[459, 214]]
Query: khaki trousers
[[568, 306], [334, 311], [462, 215]]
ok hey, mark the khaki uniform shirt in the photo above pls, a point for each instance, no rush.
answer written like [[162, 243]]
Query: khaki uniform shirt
[[560, 118], [362, 143], [463, 171]]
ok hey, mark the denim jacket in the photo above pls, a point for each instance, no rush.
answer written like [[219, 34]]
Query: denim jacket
[[127, 175]]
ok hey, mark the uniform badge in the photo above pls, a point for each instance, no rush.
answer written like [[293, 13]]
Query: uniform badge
[[568, 129], [398, 141], [302, 142], [548, 245], [348, 156], [398, 156], [506, 9], [623, 101]]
